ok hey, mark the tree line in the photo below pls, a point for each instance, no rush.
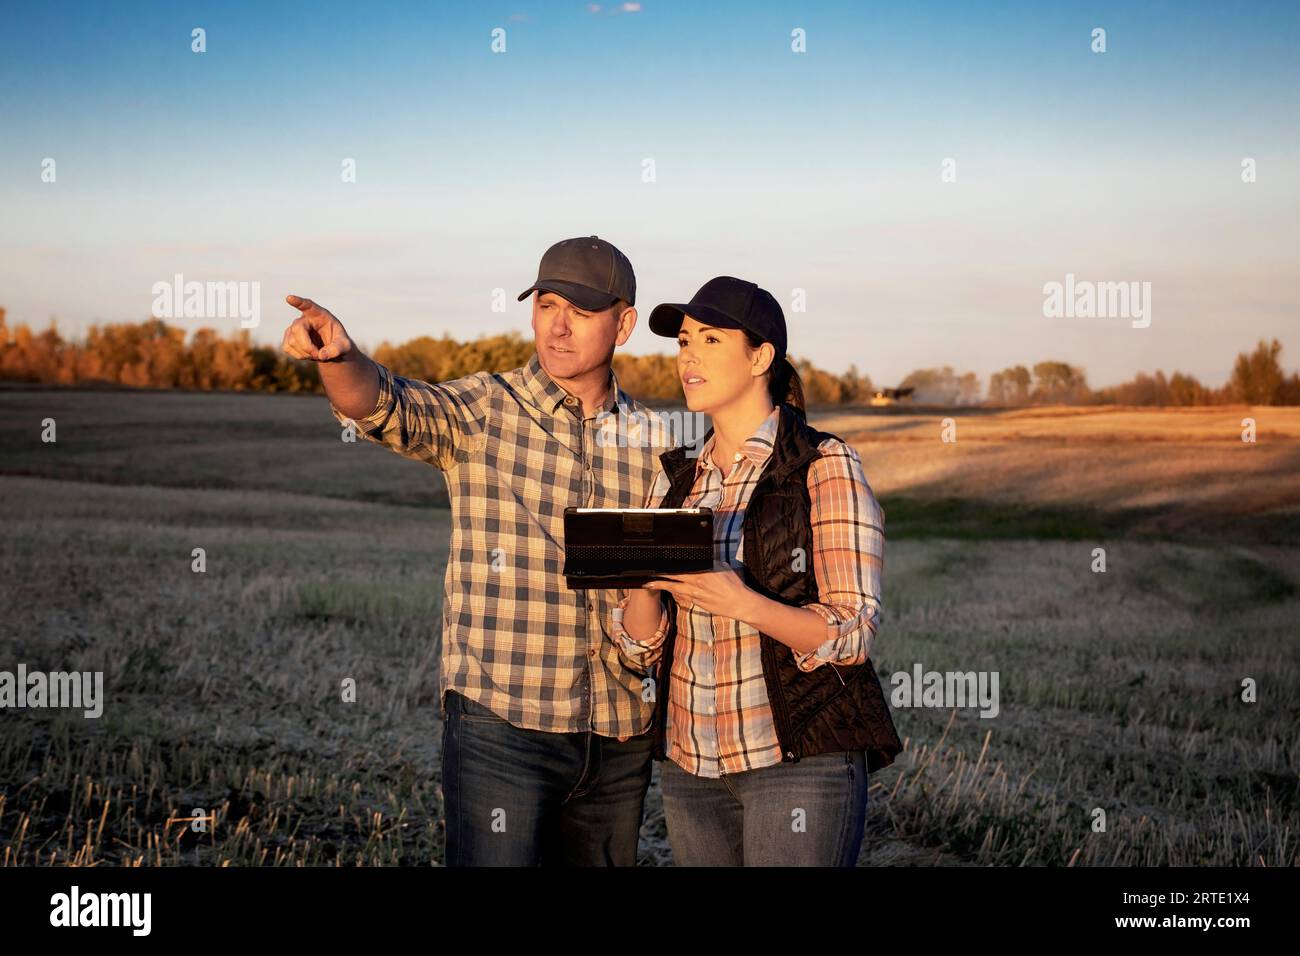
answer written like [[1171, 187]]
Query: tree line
[[153, 354]]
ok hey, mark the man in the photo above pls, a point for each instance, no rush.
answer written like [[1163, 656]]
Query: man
[[546, 750]]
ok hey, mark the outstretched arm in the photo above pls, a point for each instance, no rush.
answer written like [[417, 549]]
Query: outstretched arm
[[432, 423]]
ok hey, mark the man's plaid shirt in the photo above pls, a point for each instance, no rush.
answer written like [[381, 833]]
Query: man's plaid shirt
[[516, 450]]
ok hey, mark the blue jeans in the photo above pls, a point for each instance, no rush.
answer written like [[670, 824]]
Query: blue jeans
[[805, 813], [516, 797]]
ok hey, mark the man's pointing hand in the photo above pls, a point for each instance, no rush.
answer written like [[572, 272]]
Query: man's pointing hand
[[316, 334]]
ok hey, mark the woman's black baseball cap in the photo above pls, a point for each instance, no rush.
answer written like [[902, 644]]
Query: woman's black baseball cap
[[726, 303]]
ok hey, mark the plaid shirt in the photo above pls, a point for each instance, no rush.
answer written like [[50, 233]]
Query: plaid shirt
[[719, 716], [515, 449]]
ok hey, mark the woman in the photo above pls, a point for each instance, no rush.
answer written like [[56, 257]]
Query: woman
[[769, 714]]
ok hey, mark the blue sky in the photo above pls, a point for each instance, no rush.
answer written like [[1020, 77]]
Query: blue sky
[[818, 171]]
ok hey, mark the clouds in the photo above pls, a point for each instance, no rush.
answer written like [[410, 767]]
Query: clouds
[[596, 8]]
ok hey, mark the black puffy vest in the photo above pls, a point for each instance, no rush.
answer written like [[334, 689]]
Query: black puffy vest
[[831, 707]]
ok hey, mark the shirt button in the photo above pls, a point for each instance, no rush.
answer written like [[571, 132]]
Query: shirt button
[[570, 401], [737, 458], [591, 653]]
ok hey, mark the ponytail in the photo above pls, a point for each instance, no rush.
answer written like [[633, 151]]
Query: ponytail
[[785, 385], [783, 381]]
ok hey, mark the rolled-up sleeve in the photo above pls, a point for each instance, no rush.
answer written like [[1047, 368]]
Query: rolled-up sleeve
[[435, 423], [848, 533], [643, 654]]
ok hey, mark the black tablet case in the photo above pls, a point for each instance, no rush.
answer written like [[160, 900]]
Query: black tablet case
[[626, 548]]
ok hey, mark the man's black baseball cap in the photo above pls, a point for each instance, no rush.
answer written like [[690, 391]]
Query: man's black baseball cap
[[590, 272], [726, 303]]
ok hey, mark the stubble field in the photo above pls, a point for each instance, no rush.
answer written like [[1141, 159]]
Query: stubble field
[[1119, 691]]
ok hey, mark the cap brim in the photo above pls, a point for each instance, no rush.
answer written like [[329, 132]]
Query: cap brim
[[584, 297], [666, 319]]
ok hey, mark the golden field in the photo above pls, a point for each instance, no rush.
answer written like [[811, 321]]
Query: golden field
[[1119, 691]]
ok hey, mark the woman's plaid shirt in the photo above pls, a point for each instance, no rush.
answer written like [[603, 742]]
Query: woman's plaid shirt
[[719, 717], [515, 450]]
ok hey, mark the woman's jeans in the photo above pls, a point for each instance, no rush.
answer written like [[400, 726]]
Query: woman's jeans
[[805, 813]]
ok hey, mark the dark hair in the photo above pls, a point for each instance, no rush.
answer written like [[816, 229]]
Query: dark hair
[[783, 381]]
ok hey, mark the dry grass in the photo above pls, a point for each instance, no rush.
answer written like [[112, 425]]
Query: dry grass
[[1183, 472], [1119, 691]]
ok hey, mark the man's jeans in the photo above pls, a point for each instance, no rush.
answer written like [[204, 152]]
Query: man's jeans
[[517, 797], [805, 813]]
